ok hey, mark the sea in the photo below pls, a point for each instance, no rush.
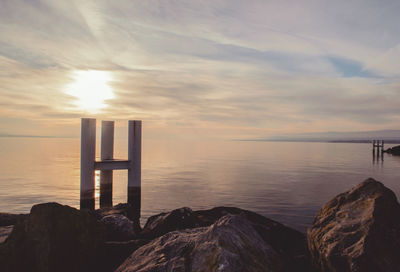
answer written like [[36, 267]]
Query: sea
[[285, 181]]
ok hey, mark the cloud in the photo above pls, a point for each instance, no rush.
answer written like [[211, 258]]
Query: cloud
[[229, 67]]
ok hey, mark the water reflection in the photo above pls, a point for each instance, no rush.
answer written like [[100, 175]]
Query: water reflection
[[97, 185], [287, 182]]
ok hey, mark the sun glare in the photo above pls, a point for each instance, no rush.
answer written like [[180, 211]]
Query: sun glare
[[91, 88]]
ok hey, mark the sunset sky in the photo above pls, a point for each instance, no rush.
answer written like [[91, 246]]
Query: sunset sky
[[190, 69]]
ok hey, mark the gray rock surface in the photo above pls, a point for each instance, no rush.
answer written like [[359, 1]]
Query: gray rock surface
[[358, 230], [116, 252], [124, 209], [289, 242], [121, 208], [230, 244], [119, 227], [7, 219], [5, 232], [163, 223], [54, 238]]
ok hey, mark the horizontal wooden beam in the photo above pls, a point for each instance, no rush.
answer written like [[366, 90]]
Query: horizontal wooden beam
[[111, 164]]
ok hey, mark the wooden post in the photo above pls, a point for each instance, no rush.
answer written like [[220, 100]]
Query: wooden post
[[107, 153], [379, 146], [88, 149], [107, 164], [134, 171], [373, 148]]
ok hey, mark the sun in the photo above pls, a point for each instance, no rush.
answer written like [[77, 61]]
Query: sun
[[91, 88]]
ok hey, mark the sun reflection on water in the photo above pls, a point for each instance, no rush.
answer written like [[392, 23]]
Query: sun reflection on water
[[97, 185]]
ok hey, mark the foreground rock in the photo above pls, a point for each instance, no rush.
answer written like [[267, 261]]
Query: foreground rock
[[358, 231], [291, 242], [163, 223], [119, 227], [117, 216], [117, 251], [5, 232], [394, 150], [230, 244], [54, 238], [7, 219]]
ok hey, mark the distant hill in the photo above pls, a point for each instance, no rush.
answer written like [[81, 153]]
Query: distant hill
[[389, 136]]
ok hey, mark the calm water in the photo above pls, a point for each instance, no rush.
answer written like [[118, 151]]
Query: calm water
[[287, 182]]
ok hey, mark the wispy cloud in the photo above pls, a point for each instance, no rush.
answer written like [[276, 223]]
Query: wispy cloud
[[228, 68]]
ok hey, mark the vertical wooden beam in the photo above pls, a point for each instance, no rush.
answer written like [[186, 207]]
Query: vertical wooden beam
[[373, 148], [135, 160], [88, 150], [378, 146], [107, 153]]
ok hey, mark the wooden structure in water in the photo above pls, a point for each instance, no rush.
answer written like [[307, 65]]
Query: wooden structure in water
[[108, 163], [378, 148]]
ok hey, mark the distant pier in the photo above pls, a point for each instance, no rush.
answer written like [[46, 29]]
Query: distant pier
[[378, 149]]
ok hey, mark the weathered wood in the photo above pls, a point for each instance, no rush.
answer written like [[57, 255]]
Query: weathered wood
[[107, 153], [134, 171], [88, 149], [112, 165], [107, 164], [378, 149]]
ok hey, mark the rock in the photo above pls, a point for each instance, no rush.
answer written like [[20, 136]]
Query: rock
[[282, 238], [200, 248], [358, 230], [124, 209], [393, 150], [230, 244], [54, 238], [121, 208], [119, 227], [208, 217], [117, 251], [163, 223], [7, 219], [5, 232]]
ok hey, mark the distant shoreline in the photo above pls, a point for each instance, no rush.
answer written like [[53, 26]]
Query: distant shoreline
[[387, 141]]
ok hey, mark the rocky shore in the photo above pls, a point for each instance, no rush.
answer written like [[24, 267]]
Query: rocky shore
[[358, 230], [393, 150]]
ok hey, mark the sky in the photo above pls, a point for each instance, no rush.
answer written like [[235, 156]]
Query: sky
[[200, 69]]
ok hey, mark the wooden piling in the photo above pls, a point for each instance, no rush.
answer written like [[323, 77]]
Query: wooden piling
[[107, 164], [134, 171], [88, 149], [378, 149], [107, 153]]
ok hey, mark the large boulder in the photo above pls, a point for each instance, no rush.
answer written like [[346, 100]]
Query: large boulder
[[282, 238], [163, 223], [117, 251], [119, 227], [231, 244], [54, 238], [7, 219], [124, 209], [358, 230], [5, 232], [200, 248]]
